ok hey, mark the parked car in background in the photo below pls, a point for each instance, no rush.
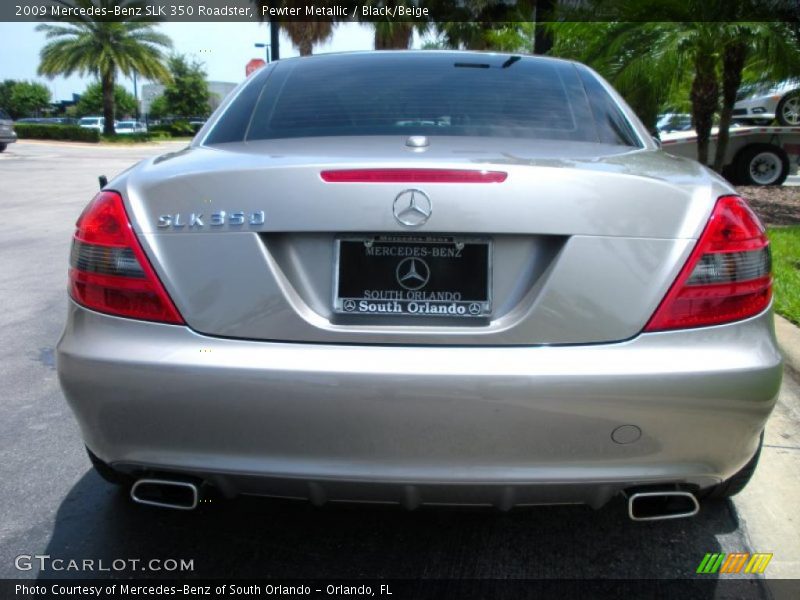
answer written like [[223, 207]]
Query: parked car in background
[[7, 134], [129, 127], [762, 104], [669, 122], [48, 120], [60, 121], [197, 124], [94, 123]]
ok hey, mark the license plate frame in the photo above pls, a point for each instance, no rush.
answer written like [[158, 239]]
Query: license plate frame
[[396, 299]]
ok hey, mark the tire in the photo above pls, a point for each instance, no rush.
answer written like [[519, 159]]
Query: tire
[[737, 483], [788, 110], [3, 147], [108, 473], [761, 164]]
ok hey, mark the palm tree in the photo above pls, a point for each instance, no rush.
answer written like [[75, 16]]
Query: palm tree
[[492, 25], [104, 49], [393, 35], [767, 49], [306, 34], [618, 51], [654, 50], [497, 36], [648, 62]]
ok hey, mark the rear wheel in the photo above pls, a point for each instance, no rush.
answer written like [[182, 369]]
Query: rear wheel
[[788, 111], [762, 164], [3, 147], [737, 483], [108, 473]]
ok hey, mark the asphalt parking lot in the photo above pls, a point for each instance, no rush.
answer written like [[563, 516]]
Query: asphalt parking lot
[[52, 503]]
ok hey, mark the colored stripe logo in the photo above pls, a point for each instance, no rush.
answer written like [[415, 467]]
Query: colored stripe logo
[[737, 562]]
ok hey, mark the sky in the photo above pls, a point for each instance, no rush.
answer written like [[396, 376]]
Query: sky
[[224, 48]]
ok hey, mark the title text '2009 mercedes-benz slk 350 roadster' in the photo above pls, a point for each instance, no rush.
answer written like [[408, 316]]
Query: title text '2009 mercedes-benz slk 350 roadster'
[[422, 278]]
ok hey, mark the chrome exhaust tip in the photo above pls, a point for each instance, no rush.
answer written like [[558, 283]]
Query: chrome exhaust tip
[[166, 493], [658, 506]]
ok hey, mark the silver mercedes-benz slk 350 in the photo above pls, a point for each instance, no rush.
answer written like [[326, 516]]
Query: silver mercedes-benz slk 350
[[422, 278]]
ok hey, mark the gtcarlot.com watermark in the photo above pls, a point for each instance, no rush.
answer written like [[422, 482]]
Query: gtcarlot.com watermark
[[46, 563]]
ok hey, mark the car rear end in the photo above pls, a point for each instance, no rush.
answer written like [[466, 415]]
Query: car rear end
[[422, 278], [125, 128]]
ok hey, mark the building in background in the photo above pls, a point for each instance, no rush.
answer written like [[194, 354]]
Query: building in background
[[60, 107]]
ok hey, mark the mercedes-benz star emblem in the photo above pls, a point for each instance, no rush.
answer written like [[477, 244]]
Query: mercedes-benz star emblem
[[412, 208], [413, 273]]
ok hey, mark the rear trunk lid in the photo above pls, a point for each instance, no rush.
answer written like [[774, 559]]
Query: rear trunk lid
[[582, 239]]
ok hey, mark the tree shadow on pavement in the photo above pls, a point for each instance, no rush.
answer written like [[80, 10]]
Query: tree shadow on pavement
[[263, 538]]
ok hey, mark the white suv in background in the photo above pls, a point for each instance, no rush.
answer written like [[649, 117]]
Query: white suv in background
[[94, 123], [129, 127]]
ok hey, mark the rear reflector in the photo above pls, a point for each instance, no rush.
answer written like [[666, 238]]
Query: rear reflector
[[109, 271], [413, 176], [726, 278]]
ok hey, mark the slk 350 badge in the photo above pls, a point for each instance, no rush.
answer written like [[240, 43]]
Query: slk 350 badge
[[215, 219]]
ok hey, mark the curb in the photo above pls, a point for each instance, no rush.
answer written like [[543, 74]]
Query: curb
[[789, 341]]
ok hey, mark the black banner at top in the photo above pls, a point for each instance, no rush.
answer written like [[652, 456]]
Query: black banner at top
[[485, 11]]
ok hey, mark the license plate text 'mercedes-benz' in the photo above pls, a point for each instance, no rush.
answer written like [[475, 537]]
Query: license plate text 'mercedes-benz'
[[419, 276]]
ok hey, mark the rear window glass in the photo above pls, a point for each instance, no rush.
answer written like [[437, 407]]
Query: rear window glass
[[484, 95]]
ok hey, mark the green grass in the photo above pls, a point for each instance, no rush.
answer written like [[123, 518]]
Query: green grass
[[785, 242]]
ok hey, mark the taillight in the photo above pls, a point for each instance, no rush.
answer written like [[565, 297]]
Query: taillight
[[728, 275], [108, 269]]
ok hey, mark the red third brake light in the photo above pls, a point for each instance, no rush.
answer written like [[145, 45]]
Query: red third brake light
[[726, 278], [109, 271], [413, 176]]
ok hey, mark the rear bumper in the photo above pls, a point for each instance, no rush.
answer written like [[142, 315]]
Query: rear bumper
[[750, 116], [8, 138], [449, 425], [758, 108]]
